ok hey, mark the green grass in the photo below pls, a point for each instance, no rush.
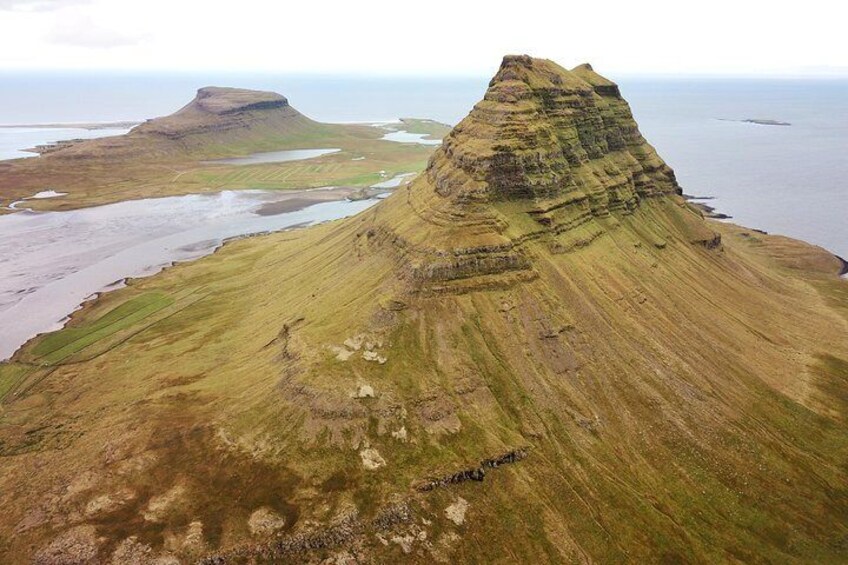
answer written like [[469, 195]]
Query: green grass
[[58, 346], [10, 376], [655, 388], [433, 129]]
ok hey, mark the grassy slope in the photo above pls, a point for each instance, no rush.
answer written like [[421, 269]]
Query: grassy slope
[[707, 423], [681, 401]]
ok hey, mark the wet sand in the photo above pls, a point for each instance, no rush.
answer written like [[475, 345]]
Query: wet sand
[[298, 199]]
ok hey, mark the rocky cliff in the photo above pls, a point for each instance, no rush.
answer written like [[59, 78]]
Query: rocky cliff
[[536, 352], [554, 136]]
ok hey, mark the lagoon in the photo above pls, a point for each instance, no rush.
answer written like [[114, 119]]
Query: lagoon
[[274, 157]]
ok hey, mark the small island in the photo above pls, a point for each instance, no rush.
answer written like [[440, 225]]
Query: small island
[[766, 122], [758, 122]]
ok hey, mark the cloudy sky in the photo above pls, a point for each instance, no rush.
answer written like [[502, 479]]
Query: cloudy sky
[[425, 37]]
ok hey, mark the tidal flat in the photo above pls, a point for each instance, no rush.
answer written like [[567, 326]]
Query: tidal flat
[[54, 261]]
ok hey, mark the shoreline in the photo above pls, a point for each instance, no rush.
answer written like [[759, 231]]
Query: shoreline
[[297, 202], [706, 209], [710, 213], [127, 281], [341, 193]]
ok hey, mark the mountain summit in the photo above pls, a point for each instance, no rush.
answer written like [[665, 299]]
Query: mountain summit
[[548, 156], [535, 352], [546, 133]]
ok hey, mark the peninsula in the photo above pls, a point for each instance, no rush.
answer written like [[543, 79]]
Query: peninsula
[[536, 351]]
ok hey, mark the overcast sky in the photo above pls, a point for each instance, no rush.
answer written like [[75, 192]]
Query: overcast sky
[[426, 37]]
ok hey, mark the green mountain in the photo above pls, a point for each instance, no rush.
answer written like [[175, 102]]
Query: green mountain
[[214, 123], [536, 352]]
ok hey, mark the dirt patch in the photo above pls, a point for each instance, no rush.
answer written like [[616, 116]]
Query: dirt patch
[[456, 511], [371, 459]]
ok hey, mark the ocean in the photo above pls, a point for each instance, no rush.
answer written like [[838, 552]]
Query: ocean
[[781, 179]]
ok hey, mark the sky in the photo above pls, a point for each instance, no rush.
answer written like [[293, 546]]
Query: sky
[[432, 37]]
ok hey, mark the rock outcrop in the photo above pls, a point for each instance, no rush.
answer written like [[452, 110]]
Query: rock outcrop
[[564, 139]]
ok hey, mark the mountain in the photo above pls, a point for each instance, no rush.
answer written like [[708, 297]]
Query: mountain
[[535, 352], [216, 121]]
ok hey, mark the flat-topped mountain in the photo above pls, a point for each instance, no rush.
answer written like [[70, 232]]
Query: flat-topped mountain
[[221, 100], [535, 352], [218, 121], [216, 109]]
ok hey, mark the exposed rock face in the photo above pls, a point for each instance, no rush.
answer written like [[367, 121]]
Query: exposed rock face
[[218, 100], [264, 522], [456, 511], [475, 473], [77, 545], [371, 459]]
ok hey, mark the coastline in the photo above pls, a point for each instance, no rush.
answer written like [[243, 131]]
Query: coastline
[[710, 213], [292, 203]]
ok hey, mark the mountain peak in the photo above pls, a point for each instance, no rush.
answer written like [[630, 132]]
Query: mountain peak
[[224, 100], [542, 132], [548, 155]]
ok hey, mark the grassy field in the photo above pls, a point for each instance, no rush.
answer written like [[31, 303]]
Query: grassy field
[[56, 347], [362, 162]]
